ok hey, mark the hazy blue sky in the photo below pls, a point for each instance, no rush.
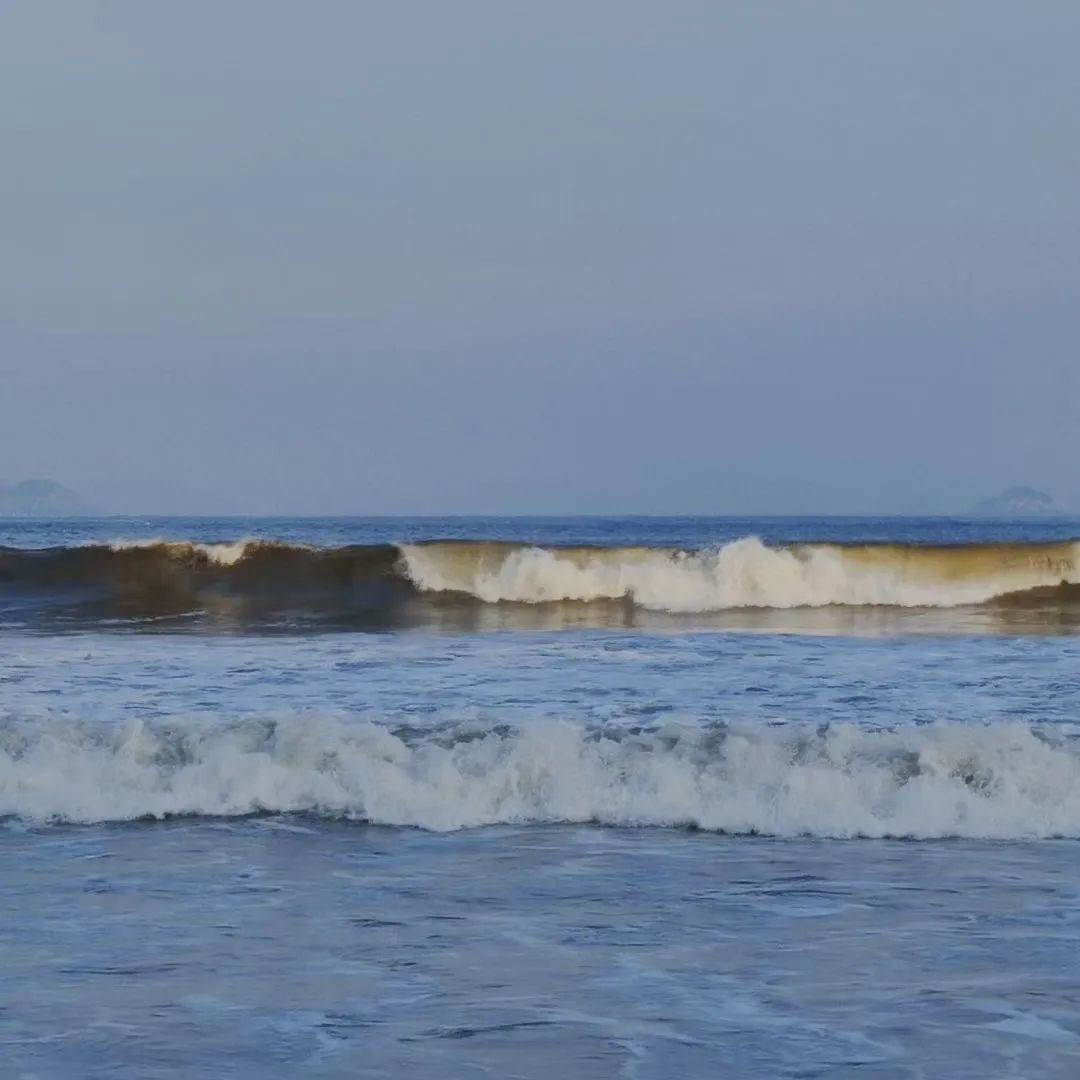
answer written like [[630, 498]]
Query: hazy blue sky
[[590, 256]]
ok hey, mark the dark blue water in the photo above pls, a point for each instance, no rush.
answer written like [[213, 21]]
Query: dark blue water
[[690, 532]]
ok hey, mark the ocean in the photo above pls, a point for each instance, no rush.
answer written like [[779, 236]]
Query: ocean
[[529, 797]]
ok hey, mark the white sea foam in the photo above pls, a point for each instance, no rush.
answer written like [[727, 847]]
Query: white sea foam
[[994, 781], [743, 573]]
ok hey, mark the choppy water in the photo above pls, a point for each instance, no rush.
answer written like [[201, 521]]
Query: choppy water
[[251, 837]]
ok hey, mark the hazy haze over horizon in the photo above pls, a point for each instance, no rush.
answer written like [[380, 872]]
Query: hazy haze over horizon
[[540, 258]]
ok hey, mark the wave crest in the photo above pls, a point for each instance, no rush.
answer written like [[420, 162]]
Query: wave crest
[[425, 583], [744, 573], [943, 780]]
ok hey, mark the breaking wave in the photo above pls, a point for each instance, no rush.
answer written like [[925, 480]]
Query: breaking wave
[[396, 583], [745, 573], [945, 780]]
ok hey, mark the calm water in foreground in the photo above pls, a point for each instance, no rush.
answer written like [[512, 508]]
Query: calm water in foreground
[[299, 812]]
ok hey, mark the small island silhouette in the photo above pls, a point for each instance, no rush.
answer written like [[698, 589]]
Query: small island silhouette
[[1019, 501], [41, 498]]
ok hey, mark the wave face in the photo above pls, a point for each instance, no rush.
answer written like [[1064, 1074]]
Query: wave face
[[947, 780], [746, 573], [398, 584], [242, 581]]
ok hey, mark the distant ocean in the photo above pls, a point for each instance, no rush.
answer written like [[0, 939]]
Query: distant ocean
[[513, 797]]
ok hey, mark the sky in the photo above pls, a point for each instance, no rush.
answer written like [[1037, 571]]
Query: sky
[[513, 256]]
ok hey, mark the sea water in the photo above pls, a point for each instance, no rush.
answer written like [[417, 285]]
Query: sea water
[[529, 797]]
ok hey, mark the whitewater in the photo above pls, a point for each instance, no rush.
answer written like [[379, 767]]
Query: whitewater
[[746, 573], [1007, 781]]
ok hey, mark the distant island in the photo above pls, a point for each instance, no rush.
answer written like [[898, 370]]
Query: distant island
[[1019, 501], [41, 498]]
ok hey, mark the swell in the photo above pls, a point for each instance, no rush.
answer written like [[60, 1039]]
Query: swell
[[241, 580], [389, 582], [995, 781]]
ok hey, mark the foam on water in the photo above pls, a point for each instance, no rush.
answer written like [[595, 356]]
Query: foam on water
[[745, 573], [941, 780]]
